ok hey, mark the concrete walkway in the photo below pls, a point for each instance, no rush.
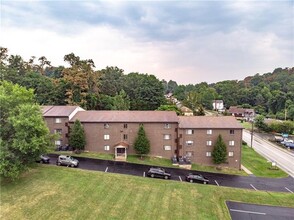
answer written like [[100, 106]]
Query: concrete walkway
[[246, 170]]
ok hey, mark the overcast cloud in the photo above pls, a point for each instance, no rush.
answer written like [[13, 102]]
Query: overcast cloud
[[185, 41]]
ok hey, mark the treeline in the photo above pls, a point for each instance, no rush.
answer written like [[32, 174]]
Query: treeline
[[80, 84], [270, 94]]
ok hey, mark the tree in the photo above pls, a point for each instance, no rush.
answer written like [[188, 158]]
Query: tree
[[121, 101], [142, 144], [193, 101], [170, 108], [77, 137], [219, 153], [24, 134]]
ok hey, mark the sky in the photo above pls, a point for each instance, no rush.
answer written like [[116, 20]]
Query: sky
[[185, 41]]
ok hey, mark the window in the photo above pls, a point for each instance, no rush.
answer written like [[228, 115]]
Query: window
[[167, 147], [166, 136], [125, 137], [189, 153], [208, 154], [189, 131], [106, 126], [231, 143], [58, 120], [125, 125], [58, 131], [232, 131], [208, 143], [166, 126], [209, 132], [231, 154], [58, 142], [106, 137], [106, 147], [189, 143]]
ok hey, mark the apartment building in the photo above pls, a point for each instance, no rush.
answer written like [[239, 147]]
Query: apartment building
[[114, 132]]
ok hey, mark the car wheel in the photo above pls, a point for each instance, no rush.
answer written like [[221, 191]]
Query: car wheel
[[72, 165], [58, 164], [152, 175], [191, 181], [166, 177], [204, 182], [41, 161]]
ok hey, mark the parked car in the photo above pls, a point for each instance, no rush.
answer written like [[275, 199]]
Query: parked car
[[158, 172], [43, 159], [197, 178], [67, 161], [289, 145]]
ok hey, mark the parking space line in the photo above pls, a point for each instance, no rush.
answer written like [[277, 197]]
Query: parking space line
[[253, 187], [180, 178], [289, 190], [106, 170], [143, 174], [216, 182], [250, 212]]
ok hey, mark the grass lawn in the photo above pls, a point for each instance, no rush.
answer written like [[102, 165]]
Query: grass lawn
[[247, 125], [154, 161], [258, 165], [51, 192]]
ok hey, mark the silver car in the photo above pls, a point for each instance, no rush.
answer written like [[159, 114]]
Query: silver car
[[67, 161]]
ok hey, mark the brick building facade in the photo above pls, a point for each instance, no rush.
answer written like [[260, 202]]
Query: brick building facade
[[114, 132]]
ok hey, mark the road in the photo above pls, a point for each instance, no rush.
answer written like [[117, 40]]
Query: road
[[218, 179], [283, 159]]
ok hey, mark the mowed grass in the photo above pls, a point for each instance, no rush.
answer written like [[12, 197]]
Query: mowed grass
[[152, 161], [258, 165], [51, 192]]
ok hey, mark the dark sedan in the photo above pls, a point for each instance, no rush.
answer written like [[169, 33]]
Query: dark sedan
[[43, 159], [197, 178], [158, 172]]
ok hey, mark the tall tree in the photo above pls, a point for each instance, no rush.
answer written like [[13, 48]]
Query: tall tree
[[193, 101], [219, 153], [24, 134], [142, 144], [77, 138]]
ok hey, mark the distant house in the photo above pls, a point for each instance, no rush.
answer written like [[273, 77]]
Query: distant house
[[242, 113], [218, 105], [186, 111]]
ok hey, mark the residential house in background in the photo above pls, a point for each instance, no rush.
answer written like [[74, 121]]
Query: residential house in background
[[218, 105], [242, 113]]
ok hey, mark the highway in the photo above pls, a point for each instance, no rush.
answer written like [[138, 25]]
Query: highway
[[283, 158]]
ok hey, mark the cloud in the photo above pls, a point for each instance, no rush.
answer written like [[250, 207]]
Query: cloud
[[186, 41]]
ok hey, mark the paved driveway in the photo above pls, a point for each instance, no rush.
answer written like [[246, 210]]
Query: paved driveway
[[248, 182], [244, 211]]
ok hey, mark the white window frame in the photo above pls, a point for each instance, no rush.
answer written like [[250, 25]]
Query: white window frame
[[167, 136], [208, 143], [231, 153], [106, 147], [189, 143], [209, 131], [189, 131], [232, 131], [208, 154], [58, 143], [189, 153], [167, 147], [106, 137], [231, 143], [167, 126], [58, 121]]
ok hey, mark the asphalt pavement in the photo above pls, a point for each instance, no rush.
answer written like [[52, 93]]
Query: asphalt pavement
[[177, 174], [245, 211]]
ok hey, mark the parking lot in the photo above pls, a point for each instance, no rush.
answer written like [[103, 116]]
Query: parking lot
[[248, 182]]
